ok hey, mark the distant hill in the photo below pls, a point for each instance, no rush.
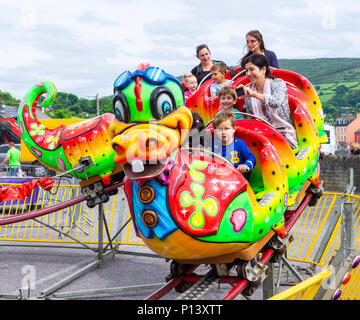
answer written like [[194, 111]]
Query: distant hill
[[325, 70], [336, 80]]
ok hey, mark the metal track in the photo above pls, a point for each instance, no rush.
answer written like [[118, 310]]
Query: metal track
[[211, 278], [200, 287]]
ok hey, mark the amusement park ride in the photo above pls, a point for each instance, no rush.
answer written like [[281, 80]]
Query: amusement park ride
[[189, 205]]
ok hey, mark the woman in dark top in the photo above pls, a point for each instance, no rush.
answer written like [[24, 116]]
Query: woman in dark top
[[203, 69], [255, 45]]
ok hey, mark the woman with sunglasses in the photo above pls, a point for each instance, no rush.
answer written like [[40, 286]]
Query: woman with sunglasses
[[255, 45]]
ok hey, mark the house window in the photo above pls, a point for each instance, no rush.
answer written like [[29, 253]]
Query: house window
[[328, 135]]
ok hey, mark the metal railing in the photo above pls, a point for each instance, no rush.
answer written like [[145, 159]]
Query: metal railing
[[26, 170], [305, 290], [75, 224], [327, 236]]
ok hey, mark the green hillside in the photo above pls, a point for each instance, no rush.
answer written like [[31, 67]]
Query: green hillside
[[337, 82], [325, 70]]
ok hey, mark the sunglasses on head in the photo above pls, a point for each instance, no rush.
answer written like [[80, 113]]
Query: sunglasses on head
[[152, 75]]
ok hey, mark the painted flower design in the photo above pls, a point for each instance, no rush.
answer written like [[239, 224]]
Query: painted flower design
[[195, 175], [37, 130], [52, 141], [208, 205]]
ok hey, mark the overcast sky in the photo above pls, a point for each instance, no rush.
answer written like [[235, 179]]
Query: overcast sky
[[83, 45]]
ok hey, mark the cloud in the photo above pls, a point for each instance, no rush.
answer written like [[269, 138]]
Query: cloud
[[84, 45], [17, 55]]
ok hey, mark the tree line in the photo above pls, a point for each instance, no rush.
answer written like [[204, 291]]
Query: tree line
[[344, 101], [68, 105]]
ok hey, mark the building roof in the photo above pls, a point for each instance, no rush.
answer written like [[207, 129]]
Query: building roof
[[340, 122], [345, 120], [12, 112]]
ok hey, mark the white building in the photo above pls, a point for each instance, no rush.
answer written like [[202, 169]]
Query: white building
[[330, 146]]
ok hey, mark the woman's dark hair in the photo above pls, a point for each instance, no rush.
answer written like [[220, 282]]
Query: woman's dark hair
[[260, 61], [258, 36], [200, 47]]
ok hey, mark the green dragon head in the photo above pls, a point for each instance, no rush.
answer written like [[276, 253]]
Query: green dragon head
[[151, 120]]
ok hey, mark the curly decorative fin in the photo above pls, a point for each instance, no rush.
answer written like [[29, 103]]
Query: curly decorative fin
[[44, 143]]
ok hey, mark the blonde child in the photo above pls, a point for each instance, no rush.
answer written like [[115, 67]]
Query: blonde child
[[218, 71], [232, 149], [191, 84]]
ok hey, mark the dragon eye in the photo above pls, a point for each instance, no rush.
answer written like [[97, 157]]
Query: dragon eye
[[162, 102], [121, 108]]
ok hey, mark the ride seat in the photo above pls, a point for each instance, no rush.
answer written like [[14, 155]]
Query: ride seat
[[267, 174], [183, 86]]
